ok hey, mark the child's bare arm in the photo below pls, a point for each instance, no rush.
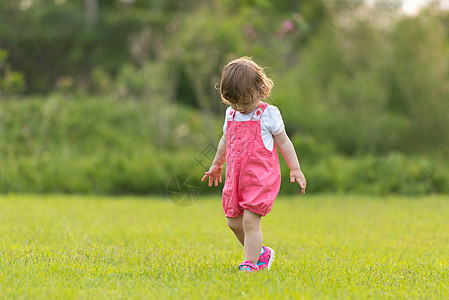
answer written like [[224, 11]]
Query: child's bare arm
[[214, 172], [288, 152]]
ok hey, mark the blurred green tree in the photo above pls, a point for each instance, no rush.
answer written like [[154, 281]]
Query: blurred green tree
[[420, 75], [367, 87]]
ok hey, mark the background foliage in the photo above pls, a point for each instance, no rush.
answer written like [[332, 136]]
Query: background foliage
[[120, 98]]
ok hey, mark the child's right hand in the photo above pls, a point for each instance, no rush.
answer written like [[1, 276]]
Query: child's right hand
[[214, 173]]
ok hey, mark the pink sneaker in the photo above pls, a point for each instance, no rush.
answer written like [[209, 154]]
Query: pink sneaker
[[248, 267], [266, 258]]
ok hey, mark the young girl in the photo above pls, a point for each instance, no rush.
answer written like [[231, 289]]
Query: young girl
[[252, 130]]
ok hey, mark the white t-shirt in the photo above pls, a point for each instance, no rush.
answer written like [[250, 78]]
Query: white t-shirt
[[270, 123]]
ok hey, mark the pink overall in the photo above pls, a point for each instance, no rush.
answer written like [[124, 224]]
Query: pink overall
[[253, 176]]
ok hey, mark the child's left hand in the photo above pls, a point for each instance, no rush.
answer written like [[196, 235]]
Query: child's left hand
[[298, 176]]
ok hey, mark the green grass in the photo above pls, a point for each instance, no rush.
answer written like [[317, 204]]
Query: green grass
[[88, 247]]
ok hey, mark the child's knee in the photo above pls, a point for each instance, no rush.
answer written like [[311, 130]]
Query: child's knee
[[251, 221], [235, 223]]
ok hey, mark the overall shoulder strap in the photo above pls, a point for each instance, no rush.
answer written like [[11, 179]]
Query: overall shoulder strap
[[259, 111], [231, 115]]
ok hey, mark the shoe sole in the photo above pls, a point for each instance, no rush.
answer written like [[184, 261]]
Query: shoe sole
[[271, 257]]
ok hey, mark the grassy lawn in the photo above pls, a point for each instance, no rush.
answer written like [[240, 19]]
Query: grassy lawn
[[88, 247]]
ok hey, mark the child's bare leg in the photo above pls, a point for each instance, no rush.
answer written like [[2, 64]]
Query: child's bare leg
[[253, 236], [236, 225]]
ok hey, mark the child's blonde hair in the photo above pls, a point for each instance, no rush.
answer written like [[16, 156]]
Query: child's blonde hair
[[244, 80]]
